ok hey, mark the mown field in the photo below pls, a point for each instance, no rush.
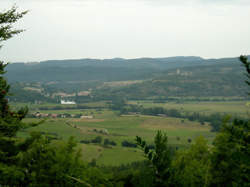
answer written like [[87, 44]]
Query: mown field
[[235, 108], [120, 128]]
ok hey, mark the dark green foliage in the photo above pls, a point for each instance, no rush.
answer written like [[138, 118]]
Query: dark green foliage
[[246, 64], [160, 158], [218, 77], [109, 142], [85, 141], [126, 143], [106, 141], [22, 95], [47, 164], [10, 121], [112, 143], [231, 155], [98, 140], [34, 161], [135, 174], [231, 152], [95, 177], [7, 19], [117, 103], [191, 167]]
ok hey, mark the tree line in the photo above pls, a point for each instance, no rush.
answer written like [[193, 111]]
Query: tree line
[[213, 119]]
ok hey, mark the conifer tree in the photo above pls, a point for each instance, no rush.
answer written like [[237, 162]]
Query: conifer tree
[[33, 161], [10, 121], [231, 152], [159, 158]]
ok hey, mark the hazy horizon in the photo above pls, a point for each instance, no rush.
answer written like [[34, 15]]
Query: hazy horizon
[[37, 61], [105, 29]]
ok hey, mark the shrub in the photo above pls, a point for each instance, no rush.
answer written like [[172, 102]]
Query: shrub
[[108, 142], [125, 143], [98, 139], [85, 141]]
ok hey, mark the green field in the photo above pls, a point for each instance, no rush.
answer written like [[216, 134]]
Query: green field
[[240, 108], [120, 129], [127, 127]]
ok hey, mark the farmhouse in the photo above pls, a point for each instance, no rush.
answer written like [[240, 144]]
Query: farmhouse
[[87, 117], [54, 115], [40, 115], [63, 102]]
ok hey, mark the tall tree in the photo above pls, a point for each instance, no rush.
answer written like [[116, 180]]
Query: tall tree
[[190, 167], [231, 152], [159, 157], [34, 161], [7, 19], [246, 64], [10, 121], [231, 155]]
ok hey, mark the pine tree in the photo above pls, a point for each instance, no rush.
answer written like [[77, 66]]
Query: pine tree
[[159, 158], [246, 64], [33, 161], [231, 152], [10, 121], [7, 19]]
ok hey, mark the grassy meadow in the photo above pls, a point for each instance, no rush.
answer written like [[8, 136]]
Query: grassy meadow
[[235, 108], [127, 127]]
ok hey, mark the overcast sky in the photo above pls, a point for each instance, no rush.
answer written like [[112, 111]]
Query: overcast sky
[[71, 29]]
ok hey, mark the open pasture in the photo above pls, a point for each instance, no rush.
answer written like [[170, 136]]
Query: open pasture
[[235, 108], [118, 129]]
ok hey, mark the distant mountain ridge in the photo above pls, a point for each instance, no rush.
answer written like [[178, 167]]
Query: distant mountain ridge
[[117, 59], [116, 69], [140, 78]]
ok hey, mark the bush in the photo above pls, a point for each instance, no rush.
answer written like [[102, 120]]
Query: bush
[[85, 141], [125, 143], [112, 143], [98, 139], [108, 142]]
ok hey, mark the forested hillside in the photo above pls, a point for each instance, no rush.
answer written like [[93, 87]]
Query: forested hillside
[[104, 70], [223, 79], [144, 78]]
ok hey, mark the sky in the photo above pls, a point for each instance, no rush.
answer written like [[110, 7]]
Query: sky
[[73, 29]]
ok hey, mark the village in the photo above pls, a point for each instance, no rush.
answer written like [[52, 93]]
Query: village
[[64, 115]]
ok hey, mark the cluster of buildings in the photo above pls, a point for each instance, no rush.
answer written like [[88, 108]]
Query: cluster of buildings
[[44, 115]]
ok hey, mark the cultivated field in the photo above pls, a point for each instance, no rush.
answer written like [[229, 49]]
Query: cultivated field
[[241, 108], [119, 128]]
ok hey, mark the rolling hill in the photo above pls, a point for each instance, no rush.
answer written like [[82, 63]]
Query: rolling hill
[[133, 78]]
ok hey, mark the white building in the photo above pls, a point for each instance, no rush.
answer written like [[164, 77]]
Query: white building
[[87, 117], [63, 102]]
